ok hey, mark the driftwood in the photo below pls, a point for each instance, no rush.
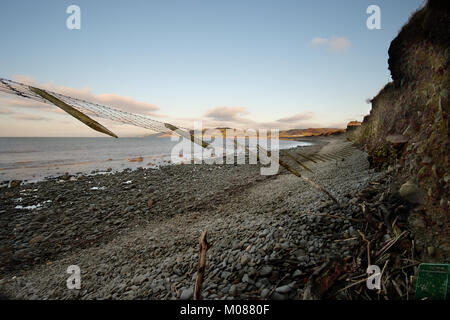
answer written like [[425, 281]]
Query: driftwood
[[203, 247], [385, 215]]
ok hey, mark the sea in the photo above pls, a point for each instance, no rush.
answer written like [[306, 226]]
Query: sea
[[35, 159]]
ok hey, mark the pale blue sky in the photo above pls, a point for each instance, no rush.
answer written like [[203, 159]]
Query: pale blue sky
[[188, 57]]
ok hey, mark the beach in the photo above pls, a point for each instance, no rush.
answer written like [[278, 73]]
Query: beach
[[134, 234]]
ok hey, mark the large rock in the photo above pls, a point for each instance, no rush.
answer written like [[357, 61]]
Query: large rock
[[412, 193], [396, 139]]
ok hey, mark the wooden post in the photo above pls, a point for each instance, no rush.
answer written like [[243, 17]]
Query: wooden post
[[203, 246], [73, 112]]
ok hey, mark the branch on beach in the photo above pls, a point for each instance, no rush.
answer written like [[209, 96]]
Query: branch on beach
[[203, 247]]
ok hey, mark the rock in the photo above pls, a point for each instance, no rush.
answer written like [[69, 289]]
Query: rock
[[284, 289], [265, 292], [265, 271], [232, 290], [15, 183], [278, 296], [139, 279], [284, 245], [244, 259], [411, 193], [65, 177], [37, 239], [297, 273], [299, 253], [397, 139], [187, 294], [245, 278]]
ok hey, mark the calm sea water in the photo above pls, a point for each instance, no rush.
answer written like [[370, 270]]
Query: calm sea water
[[33, 159]]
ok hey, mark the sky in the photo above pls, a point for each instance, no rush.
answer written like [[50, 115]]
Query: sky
[[278, 64]]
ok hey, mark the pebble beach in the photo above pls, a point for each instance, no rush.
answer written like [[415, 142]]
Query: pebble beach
[[134, 234]]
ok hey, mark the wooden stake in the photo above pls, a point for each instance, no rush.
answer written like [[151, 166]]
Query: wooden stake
[[73, 112], [203, 246]]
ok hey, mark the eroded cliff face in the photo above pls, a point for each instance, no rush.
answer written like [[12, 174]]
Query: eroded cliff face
[[407, 130]]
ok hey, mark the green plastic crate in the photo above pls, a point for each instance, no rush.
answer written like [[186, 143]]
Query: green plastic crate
[[433, 281]]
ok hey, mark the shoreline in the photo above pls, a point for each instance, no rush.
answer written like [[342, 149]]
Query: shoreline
[[93, 167]]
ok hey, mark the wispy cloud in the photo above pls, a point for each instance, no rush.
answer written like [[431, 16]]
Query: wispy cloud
[[4, 111], [236, 117], [226, 113], [31, 117], [333, 44], [318, 41], [297, 117]]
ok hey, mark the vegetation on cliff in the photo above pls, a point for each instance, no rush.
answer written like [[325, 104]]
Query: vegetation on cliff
[[408, 127]]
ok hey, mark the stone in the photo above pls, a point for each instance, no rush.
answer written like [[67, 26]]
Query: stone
[[187, 293], [396, 139], [284, 289], [284, 245], [232, 290], [37, 239], [278, 296], [15, 183], [299, 253], [297, 273], [411, 193], [265, 271], [244, 259], [139, 279], [265, 292]]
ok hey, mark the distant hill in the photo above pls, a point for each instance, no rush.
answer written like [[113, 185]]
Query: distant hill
[[285, 134], [310, 132]]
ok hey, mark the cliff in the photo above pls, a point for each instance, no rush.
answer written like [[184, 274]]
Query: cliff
[[352, 130], [407, 130]]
